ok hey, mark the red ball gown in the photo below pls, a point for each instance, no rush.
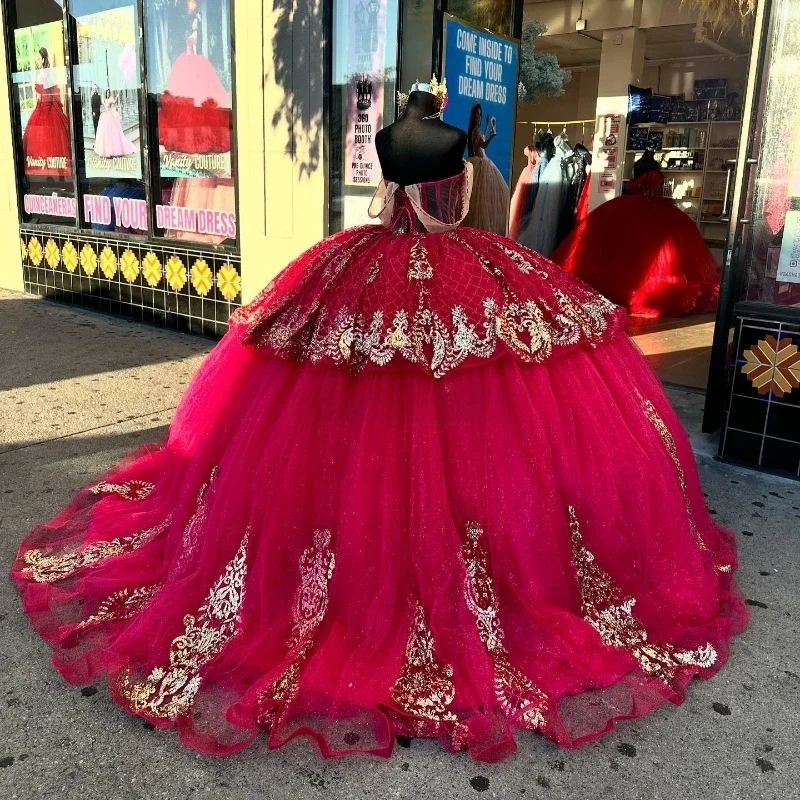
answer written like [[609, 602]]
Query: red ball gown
[[642, 252], [425, 485], [46, 138], [195, 110]]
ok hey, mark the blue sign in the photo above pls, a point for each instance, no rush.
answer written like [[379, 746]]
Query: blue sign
[[482, 74]]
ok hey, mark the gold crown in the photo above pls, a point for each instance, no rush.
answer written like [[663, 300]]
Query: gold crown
[[438, 90]]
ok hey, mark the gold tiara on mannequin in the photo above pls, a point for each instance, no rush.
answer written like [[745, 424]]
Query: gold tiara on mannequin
[[438, 90]]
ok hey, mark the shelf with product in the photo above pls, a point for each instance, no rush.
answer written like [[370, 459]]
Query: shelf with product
[[695, 157]]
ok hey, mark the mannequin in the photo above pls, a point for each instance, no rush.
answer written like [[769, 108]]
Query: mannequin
[[419, 146]]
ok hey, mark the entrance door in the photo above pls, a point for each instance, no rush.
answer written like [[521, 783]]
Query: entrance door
[[762, 207]]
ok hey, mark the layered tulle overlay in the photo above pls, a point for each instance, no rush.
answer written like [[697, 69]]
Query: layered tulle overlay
[[425, 486]]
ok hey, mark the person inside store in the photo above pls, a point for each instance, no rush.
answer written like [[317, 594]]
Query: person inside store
[[643, 252], [404, 495]]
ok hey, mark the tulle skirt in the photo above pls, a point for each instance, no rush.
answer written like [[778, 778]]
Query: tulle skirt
[[47, 136], [195, 109], [488, 209], [645, 254], [110, 141], [513, 547]]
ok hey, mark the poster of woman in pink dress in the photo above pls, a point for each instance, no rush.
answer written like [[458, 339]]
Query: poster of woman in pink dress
[[192, 80], [107, 77]]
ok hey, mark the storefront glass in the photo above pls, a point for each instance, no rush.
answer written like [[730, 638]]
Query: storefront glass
[[40, 95], [364, 90], [91, 104], [772, 244], [190, 83], [106, 81]]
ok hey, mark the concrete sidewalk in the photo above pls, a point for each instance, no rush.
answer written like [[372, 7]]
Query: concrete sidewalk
[[78, 391]]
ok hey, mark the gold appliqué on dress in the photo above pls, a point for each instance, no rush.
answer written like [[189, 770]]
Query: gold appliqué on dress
[[50, 565], [610, 613], [130, 490], [121, 605], [420, 269], [310, 604], [521, 701], [425, 687], [168, 693], [672, 449]]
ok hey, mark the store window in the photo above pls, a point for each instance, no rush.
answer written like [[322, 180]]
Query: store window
[[190, 83], [124, 132], [363, 101], [40, 96], [106, 85]]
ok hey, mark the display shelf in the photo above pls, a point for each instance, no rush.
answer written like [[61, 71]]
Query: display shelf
[[693, 205]]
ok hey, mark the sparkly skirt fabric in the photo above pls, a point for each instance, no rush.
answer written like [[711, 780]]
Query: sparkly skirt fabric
[[511, 547]]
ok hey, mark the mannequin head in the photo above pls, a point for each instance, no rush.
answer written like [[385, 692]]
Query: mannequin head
[[647, 163], [43, 59]]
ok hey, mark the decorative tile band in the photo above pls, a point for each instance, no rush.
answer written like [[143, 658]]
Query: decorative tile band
[[178, 286]]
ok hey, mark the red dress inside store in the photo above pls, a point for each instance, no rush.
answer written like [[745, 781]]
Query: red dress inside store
[[642, 252]]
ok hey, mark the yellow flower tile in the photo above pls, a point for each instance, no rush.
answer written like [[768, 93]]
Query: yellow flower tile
[[52, 254], [35, 252], [69, 255], [151, 269], [229, 282], [108, 263], [129, 266], [23, 249], [89, 260], [201, 277], [176, 273]]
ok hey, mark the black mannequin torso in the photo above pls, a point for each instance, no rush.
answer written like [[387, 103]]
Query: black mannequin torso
[[415, 149]]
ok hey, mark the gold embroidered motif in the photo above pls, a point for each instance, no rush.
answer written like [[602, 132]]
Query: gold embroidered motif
[[425, 687], [310, 604], [130, 490], [610, 613], [530, 328], [51, 565], [121, 605], [420, 269], [521, 701], [168, 693], [374, 270], [672, 449]]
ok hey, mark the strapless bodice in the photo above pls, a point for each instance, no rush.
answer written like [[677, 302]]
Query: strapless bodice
[[432, 206]]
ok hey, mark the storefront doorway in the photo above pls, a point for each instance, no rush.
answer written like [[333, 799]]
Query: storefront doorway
[[693, 83]]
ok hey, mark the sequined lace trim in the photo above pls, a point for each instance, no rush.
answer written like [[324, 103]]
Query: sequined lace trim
[[310, 604], [167, 693], [521, 701], [121, 605], [610, 613], [672, 449], [425, 687], [51, 564], [442, 345], [130, 490]]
